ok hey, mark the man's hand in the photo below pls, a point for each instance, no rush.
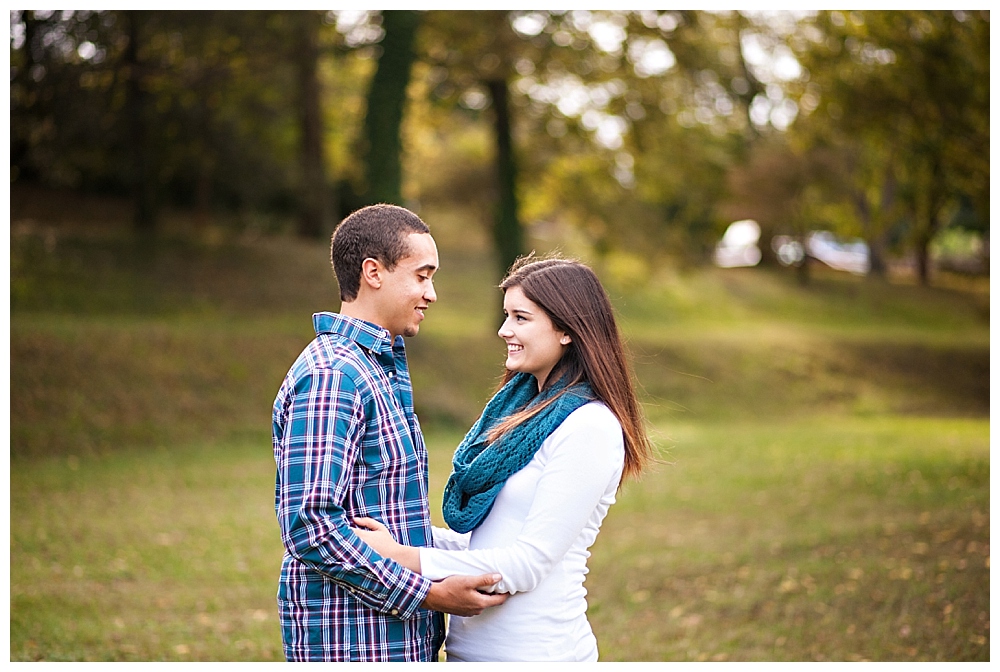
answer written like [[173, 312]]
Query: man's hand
[[460, 595]]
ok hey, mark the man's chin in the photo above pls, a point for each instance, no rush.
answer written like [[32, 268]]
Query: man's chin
[[411, 331]]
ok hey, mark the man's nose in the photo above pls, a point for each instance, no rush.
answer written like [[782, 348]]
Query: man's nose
[[430, 294]]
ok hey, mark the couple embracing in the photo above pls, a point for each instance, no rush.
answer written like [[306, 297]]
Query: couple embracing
[[365, 577]]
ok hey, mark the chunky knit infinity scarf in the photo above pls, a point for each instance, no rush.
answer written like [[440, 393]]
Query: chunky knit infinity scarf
[[479, 470]]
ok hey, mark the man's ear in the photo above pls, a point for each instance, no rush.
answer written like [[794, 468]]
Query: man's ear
[[371, 273]]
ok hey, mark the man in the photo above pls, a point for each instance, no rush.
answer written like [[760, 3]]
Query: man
[[347, 444]]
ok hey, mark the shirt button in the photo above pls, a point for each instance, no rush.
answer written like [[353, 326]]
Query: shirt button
[[394, 612]]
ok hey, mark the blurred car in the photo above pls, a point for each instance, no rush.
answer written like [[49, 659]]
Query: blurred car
[[850, 255]]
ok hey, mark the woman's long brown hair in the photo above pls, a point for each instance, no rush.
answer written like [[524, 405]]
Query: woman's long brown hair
[[574, 299]]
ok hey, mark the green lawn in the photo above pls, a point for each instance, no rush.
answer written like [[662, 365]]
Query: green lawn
[[815, 540], [823, 492], [833, 540]]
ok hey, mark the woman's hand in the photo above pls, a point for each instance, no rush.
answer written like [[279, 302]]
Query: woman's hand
[[377, 535]]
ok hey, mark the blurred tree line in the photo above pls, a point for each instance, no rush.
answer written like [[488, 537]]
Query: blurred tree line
[[645, 132]]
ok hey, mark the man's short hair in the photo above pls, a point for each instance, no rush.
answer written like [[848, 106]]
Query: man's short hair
[[376, 231]]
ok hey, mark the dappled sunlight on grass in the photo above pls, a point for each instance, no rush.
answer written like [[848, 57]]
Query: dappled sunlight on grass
[[847, 540], [843, 540], [169, 555]]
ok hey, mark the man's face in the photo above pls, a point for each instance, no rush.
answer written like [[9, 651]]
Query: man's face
[[408, 289]]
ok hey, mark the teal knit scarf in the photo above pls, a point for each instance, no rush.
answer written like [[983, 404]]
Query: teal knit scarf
[[479, 470]]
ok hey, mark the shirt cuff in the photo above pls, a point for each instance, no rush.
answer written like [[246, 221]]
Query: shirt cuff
[[407, 591]]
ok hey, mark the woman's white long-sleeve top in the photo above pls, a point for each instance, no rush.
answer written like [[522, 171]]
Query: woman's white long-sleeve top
[[536, 536]]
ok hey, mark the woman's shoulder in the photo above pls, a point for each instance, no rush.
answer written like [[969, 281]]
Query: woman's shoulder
[[592, 436], [595, 421]]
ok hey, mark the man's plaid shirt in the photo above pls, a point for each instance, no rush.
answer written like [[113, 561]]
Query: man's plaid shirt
[[347, 444]]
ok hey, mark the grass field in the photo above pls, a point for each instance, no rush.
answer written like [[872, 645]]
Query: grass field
[[823, 492]]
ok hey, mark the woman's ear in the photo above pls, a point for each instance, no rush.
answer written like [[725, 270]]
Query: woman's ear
[[371, 273], [565, 339]]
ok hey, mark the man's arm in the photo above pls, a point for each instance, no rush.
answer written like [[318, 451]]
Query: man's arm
[[318, 443], [460, 594]]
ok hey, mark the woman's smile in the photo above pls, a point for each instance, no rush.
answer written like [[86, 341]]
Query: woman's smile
[[534, 345]]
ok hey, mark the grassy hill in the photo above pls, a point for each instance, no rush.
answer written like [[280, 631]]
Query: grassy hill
[[130, 346], [823, 492]]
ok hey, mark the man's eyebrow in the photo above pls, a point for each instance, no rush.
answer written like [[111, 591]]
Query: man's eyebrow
[[427, 267]]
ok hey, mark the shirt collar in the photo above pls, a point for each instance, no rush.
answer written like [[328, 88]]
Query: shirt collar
[[366, 334]]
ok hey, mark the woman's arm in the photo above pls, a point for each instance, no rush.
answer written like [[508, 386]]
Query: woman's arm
[[377, 535], [585, 455]]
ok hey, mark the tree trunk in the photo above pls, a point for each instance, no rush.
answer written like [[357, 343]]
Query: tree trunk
[[878, 268], [874, 234], [923, 260], [203, 196], [927, 223], [386, 103], [20, 146], [929, 201], [768, 257], [315, 201], [143, 178], [877, 245], [508, 235]]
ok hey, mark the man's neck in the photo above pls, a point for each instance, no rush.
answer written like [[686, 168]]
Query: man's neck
[[360, 310]]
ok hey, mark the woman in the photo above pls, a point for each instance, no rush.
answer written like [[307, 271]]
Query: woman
[[534, 477]]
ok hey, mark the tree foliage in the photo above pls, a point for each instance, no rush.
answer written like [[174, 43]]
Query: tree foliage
[[199, 109], [646, 131], [904, 97]]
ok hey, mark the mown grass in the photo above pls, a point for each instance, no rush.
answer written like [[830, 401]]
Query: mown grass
[[859, 540], [825, 494], [146, 555]]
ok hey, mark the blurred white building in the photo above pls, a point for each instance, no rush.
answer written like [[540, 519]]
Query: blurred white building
[[738, 246]]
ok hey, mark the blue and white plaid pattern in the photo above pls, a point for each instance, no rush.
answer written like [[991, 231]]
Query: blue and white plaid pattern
[[346, 444]]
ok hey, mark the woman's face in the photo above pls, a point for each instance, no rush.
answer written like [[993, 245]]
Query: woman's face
[[534, 345]]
